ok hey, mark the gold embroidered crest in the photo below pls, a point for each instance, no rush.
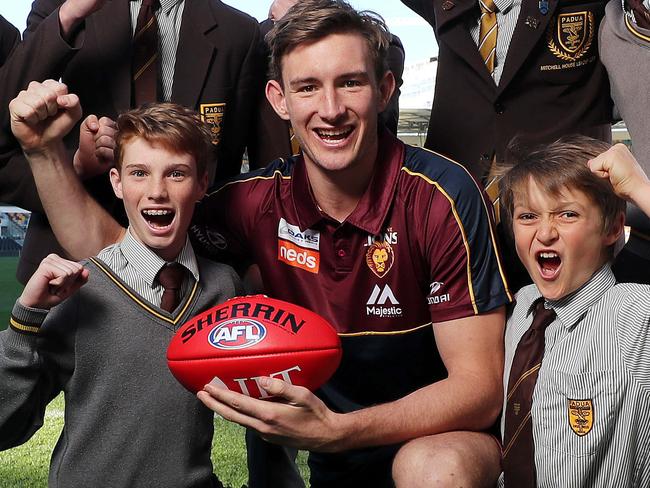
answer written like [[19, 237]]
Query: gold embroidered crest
[[213, 114], [380, 258], [581, 416], [572, 36]]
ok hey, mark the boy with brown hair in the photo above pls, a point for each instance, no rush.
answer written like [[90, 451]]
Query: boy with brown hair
[[127, 420], [576, 346]]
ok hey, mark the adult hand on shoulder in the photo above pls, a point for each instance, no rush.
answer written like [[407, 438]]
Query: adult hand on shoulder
[[42, 115], [623, 171], [73, 12], [295, 417], [96, 146], [55, 280], [279, 8]]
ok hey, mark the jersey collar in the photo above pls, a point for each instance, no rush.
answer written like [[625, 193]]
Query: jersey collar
[[370, 213]]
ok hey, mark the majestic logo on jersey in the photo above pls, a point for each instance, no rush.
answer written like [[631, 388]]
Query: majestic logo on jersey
[[298, 248], [237, 334], [581, 416], [572, 36], [213, 114], [434, 297], [382, 303]]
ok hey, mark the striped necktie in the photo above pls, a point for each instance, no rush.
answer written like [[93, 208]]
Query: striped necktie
[[487, 37], [518, 450], [144, 63]]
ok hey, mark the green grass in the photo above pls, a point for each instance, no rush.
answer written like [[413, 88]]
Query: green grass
[[27, 465], [9, 289]]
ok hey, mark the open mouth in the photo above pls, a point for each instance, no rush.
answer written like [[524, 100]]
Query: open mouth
[[334, 135], [549, 262], [159, 218]]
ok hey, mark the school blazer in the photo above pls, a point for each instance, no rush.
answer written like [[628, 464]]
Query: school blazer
[[553, 82]]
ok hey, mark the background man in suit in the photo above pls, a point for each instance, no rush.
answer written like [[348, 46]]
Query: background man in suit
[[210, 59], [9, 37], [546, 78]]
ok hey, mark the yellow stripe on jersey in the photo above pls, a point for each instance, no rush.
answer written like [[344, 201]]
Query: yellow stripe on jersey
[[462, 232], [252, 178], [492, 232], [392, 332], [490, 226]]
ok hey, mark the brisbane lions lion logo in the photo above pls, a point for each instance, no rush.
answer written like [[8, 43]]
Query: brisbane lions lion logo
[[380, 258]]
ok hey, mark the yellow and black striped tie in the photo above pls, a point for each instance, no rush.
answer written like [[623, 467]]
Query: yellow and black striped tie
[[144, 66], [487, 37]]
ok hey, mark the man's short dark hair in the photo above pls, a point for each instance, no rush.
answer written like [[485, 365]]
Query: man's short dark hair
[[312, 20]]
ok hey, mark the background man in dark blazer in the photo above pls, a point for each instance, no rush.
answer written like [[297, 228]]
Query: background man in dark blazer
[[552, 82], [219, 71], [9, 37]]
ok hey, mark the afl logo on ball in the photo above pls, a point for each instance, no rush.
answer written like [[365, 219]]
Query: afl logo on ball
[[237, 334]]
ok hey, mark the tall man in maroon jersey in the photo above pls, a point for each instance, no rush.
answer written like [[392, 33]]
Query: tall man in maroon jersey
[[393, 244]]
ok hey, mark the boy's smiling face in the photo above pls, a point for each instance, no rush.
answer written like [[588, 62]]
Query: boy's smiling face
[[560, 239], [159, 189]]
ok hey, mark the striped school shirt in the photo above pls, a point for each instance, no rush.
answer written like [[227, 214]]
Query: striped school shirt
[[507, 15], [591, 404], [169, 17], [137, 265]]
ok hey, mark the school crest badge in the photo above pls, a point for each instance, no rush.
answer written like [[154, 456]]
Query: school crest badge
[[213, 114], [380, 258], [581, 416], [572, 35]]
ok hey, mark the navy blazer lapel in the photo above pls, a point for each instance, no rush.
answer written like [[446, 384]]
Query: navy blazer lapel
[[196, 51], [531, 25], [451, 24], [112, 28]]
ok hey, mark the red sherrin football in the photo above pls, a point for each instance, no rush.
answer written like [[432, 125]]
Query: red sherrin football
[[248, 337]]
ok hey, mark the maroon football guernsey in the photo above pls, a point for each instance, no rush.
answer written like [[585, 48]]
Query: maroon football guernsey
[[419, 248]]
